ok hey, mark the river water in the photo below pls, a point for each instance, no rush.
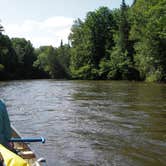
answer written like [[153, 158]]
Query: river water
[[86, 123]]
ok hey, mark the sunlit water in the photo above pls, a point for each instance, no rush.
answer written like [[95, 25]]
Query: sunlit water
[[88, 123]]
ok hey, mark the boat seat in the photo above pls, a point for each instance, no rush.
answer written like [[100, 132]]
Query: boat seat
[[27, 154]]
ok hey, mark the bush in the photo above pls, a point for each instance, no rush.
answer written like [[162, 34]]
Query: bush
[[154, 77]]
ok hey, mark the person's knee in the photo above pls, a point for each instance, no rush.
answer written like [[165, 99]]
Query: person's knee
[[1, 160]]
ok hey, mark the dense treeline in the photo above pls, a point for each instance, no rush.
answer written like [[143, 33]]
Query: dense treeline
[[127, 43]]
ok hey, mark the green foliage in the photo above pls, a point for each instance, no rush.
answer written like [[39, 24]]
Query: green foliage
[[154, 76], [124, 28], [90, 41], [125, 43], [48, 61], [1, 67], [149, 30], [104, 68], [1, 29], [82, 72], [121, 56], [119, 65], [63, 56], [8, 58], [25, 56]]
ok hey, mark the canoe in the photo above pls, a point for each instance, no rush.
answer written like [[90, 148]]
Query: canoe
[[25, 152]]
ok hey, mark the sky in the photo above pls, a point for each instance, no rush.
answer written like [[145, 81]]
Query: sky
[[47, 22]]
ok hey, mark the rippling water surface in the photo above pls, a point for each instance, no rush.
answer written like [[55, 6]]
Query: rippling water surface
[[88, 123]]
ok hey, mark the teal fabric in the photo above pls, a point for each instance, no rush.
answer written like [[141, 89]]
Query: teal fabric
[[5, 128]]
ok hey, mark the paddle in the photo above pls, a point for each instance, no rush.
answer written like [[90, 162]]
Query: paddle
[[40, 139]]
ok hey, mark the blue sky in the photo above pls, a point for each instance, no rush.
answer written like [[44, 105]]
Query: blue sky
[[46, 22]]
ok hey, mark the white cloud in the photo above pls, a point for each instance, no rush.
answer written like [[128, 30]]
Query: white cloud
[[47, 32]]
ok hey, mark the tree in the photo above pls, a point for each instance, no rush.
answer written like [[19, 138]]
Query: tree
[[121, 57], [124, 28], [8, 58], [47, 60], [80, 54], [1, 29], [149, 32], [134, 1], [90, 41], [25, 55], [63, 56]]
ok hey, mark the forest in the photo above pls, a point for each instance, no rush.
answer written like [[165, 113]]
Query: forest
[[128, 43]]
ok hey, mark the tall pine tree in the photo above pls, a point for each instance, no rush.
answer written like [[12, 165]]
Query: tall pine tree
[[121, 58], [1, 29], [123, 28]]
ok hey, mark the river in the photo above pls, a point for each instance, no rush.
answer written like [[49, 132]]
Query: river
[[86, 123]]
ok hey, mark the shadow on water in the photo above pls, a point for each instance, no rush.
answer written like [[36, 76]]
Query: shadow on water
[[91, 122]]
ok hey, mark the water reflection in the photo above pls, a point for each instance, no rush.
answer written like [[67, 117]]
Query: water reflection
[[91, 122]]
